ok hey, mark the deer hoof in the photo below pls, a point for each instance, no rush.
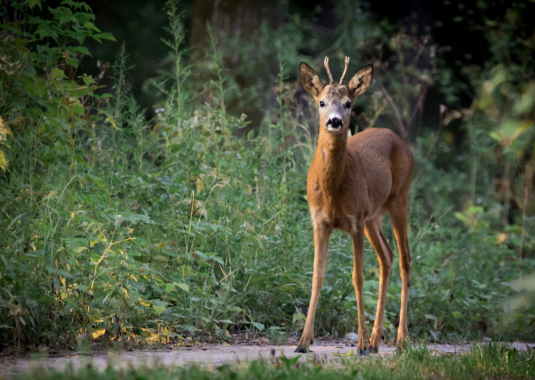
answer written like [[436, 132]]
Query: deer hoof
[[363, 352], [301, 350], [373, 350]]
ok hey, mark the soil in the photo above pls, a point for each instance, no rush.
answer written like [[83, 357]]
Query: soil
[[327, 352]]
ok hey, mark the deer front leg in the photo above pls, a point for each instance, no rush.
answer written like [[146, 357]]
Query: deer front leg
[[321, 245], [358, 283]]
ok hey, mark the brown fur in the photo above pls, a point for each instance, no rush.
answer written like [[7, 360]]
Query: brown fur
[[351, 183]]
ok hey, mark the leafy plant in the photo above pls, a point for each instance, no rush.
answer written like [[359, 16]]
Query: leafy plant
[[118, 230]]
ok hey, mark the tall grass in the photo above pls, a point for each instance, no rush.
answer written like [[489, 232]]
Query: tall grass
[[129, 230]]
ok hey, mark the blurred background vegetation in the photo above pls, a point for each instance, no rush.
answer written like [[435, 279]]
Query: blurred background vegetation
[[153, 162]]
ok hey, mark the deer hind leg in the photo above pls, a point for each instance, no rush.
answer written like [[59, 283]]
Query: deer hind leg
[[358, 282], [399, 215], [374, 231], [321, 246]]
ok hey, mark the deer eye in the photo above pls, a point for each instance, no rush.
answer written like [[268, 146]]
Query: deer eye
[[348, 105], [322, 104]]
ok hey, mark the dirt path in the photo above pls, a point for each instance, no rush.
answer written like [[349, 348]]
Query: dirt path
[[207, 355]]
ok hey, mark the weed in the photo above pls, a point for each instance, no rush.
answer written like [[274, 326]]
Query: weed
[[119, 231]]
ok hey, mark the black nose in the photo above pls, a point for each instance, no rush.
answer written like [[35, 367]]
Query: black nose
[[335, 122]]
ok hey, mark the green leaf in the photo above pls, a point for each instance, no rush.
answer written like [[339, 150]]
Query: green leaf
[[15, 220], [26, 254], [58, 74], [259, 326], [11, 29], [463, 218], [88, 80], [182, 286], [289, 362], [169, 287], [76, 90], [61, 272], [159, 309], [431, 316], [250, 134], [78, 109], [73, 62], [106, 36], [218, 260], [47, 300], [457, 315], [525, 104], [82, 50], [90, 25], [33, 3], [168, 252], [64, 273], [159, 303], [159, 306], [20, 105], [66, 16], [211, 256], [510, 129]]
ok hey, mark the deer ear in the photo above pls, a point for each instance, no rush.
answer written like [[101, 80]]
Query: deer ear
[[310, 79], [360, 81]]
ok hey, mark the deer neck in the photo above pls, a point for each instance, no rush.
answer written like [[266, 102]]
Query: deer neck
[[331, 157]]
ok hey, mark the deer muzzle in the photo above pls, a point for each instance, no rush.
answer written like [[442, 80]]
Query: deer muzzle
[[334, 124]]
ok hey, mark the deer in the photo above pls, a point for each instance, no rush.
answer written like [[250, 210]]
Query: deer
[[352, 182]]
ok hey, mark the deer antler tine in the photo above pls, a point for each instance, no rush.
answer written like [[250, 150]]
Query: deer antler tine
[[326, 63], [345, 71]]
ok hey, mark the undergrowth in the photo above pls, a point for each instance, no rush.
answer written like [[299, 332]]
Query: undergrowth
[[116, 228]]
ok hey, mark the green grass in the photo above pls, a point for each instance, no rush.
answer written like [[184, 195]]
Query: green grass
[[489, 361]]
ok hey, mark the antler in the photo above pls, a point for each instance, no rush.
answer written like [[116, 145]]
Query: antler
[[345, 71], [326, 63]]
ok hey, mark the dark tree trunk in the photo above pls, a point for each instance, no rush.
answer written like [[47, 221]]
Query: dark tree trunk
[[230, 19], [237, 18]]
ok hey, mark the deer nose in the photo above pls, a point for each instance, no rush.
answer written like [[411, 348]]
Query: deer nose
[[334, 122]]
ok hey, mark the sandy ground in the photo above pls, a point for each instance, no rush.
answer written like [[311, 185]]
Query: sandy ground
[[212, 355]]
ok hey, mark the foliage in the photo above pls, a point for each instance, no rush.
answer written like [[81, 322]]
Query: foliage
[[405, 67], [40, 58], [119, 229]]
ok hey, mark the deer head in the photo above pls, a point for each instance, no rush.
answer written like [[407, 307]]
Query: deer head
[[335, 99]]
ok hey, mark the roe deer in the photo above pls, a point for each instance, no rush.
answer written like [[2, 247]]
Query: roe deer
[[351, 183]]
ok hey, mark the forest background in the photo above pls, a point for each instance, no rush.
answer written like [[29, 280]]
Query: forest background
[[153, 161]]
